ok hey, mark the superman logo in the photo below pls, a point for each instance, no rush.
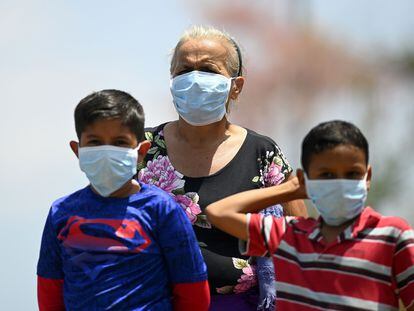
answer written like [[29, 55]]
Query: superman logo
[[109, 235]]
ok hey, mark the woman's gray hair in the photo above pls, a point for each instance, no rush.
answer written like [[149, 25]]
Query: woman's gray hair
[[234, 60]]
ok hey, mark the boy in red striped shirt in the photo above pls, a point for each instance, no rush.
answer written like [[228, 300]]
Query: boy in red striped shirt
[[351, 258]]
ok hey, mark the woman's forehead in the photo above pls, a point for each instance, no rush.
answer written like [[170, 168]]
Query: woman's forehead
[[203, 48]]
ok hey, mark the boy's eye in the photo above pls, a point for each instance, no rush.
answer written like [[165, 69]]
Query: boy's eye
[[93, 142], [122, 143], [327, 175], [354, 175]]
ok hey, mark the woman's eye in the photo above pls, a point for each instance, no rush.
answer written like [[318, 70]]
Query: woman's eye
[[208, 70], [181, 72]]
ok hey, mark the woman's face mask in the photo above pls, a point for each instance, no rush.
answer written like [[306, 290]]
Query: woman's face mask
[[337, 200], [200, 97]]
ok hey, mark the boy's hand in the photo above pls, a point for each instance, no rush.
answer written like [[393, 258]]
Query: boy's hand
[[297, 187], [228, 214]]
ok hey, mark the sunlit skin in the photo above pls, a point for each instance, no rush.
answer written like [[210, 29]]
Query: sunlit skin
[[198, 151], [112, 132], [340, 162]]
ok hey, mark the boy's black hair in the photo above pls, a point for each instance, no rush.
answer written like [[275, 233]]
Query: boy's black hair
[[330, 134], [110, 104]]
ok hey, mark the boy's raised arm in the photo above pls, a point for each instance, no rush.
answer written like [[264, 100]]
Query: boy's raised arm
[[228, 214]]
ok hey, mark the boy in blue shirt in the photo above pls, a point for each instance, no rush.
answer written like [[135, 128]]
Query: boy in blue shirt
[[117, 244]]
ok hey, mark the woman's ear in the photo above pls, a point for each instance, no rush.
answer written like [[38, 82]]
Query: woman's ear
[[75, 147], [142, 152], [236, 88], [369, 176]]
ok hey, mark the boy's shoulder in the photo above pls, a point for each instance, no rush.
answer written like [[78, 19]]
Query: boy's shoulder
[[368, 220], [154, 197], [148, 190], [301, 223], [69, 199], [375, 219]]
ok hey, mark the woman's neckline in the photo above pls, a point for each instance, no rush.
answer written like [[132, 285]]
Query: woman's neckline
[[161, 127]]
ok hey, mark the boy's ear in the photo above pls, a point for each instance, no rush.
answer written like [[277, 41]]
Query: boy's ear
[[142, 152], [75, 147], [369, 176]]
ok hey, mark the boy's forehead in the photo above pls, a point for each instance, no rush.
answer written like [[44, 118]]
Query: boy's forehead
[[113, 126], [339, 155]]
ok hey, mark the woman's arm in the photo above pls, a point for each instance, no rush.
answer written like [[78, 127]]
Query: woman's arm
[[228, 214]]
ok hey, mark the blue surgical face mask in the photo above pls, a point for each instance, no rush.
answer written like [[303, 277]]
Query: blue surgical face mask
[[200, 97], [108, 167], [337, 200]]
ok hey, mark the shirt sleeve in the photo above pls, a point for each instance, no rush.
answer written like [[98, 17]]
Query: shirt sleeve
[[50, 294], [179, 245], [191, 296], [50, 263], [403, 266], [264, 235]]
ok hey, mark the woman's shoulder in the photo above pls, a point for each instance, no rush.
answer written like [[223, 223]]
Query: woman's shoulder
[[155, 130], [261, 141]]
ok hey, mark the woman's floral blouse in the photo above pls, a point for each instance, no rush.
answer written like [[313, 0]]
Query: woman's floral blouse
[[259, 163]]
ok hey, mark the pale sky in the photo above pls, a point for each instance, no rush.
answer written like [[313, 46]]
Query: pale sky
[[53, 53]]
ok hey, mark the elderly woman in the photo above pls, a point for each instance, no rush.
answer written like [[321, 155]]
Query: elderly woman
[[202, 157]]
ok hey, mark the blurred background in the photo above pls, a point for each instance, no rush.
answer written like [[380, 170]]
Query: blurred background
[[306, 62]]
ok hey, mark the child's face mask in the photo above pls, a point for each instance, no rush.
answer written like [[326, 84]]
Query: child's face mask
[[108, 167], [337, 200]]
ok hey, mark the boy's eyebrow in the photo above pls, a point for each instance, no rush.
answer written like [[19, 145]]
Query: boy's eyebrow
[[122, 136], [354, 166], [91, 135]]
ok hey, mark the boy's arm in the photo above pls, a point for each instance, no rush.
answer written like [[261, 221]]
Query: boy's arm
[[403, 266], [50, 294], [191, 296], [228, 214], [186, 267], [296, 207], [49, 271]]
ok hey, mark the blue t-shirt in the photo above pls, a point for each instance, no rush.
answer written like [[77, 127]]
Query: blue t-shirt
[[119, 253]]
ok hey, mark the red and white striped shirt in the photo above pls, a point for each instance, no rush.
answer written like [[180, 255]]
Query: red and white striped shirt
[[368, 267]]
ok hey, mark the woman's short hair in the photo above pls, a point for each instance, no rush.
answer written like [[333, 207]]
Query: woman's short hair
[[234, 62]]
